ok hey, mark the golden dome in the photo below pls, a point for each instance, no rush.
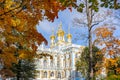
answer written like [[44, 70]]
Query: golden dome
[[52, 37], [69, 35], [60, 31]]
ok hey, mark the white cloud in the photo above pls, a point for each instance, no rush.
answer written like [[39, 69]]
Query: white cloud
[[45, 26], [66, 17]]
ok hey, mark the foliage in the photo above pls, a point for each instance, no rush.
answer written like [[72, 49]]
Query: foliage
[[113, 77], [82, 63], [94, 4], [6, 73], [90, 7], [113, 68], [25, 69], [110, 47], [111, 4], [105, 36]]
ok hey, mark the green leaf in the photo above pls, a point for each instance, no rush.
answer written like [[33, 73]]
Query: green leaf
[[62, 1], [80, 9], [111, 7], [102, 5], [81, 5], [106, 5], [74, 5], [90, 1]]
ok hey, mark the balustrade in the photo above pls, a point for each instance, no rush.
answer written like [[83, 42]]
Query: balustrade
[[50, 67]]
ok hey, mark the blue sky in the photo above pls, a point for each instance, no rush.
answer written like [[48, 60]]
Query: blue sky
[[79, 34]]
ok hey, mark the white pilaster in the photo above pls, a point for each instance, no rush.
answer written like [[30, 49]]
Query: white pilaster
[[48, 59], [41, 64]]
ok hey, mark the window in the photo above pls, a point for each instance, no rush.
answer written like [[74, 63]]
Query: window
[[76, 56], [67, 73], [59, 75], [51, 63], [52, 74], [45, 63], [67, 56], [58, 65], [38, 73], [77, 74], [45, 74]]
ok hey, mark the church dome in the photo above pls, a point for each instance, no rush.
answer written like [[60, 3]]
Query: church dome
[[52, 37], [69, 36], [60, 32]]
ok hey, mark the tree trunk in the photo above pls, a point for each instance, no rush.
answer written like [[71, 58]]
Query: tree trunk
[[90, 70], [18, 77], [89, 15], [89, 20]]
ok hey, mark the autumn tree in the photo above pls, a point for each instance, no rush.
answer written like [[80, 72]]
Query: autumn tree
[[83, 62], [90, 8], [18, 33], [110, 47], [105, 36]]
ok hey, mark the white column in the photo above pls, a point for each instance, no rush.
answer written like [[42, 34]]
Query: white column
[[62, 62], [48, 61], [68, 73], [40, 74], [69, 40], [55, 61], [68, 63], [41, 64], [73, 60]]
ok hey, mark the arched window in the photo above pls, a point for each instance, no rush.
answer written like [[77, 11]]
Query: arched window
[[38, 73], [51, 63], [45, 62], [52, 74], [45, 74], [76, 56], [59, 75], [77, 74], [68, 73], [58, 64]]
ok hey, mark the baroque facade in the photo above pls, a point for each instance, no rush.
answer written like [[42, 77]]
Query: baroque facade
[[58, 62]]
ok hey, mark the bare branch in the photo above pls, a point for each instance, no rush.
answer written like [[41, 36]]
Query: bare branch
[[77, 21], [96, 23], [93, 13]]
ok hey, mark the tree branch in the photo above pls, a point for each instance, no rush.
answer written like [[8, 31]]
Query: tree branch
[[78, 22], [96, 23]]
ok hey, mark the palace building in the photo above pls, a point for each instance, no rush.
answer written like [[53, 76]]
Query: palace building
[[58, 62]]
